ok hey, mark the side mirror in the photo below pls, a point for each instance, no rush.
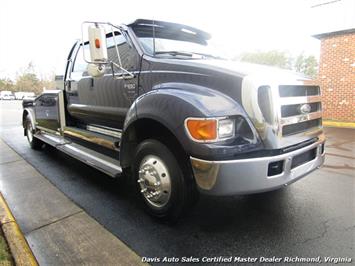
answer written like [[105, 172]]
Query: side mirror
[[96, 70], [98, 49], [97, 43]]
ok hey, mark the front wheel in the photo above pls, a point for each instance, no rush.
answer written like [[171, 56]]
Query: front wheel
[[35, 143], [161, 182]]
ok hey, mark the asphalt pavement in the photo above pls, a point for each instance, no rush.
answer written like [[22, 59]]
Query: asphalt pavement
[[312, 217]]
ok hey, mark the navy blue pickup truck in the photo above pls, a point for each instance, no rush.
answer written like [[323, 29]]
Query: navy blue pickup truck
[[150, 101]]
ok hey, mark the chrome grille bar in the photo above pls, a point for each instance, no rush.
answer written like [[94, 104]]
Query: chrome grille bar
[[300, 118], [299, 100]]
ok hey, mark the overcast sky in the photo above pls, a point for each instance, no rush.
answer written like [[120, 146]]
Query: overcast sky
[[44, 31]]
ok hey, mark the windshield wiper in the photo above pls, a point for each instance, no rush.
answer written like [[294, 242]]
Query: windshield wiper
[[175, 53], [189, 54], [208, 55]]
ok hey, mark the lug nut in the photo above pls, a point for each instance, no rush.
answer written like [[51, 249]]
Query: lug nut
[[143, 190], [157, 184], [140, 180]]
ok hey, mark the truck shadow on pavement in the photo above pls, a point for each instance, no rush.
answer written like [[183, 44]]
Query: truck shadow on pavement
[[227, 210], [115, 205]]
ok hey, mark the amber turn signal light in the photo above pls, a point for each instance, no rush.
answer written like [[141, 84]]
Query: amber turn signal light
[[202, 129], [97, 43]]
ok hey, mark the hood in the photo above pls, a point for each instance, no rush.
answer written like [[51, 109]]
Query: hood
[[242, 69]]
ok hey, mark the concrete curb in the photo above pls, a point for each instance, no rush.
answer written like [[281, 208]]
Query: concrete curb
[[54, 230], [20, 250], [330, 123]]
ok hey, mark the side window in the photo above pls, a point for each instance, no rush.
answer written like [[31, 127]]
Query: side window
[[80, 65], [128, 54]]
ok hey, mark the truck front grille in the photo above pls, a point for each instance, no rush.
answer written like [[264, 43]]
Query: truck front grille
[[303, 158], [298, 90], [300, 127], [300, 108], [294, 109]]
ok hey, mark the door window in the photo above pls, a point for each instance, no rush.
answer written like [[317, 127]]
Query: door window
[[128, 54], [80, 65]]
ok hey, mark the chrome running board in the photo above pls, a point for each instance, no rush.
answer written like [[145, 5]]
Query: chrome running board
[[103, 163]]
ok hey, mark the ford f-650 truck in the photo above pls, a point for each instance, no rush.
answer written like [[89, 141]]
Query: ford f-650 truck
[[149, 101]]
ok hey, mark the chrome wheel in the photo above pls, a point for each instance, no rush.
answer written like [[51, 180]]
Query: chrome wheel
[[29, 132], [154, 181]]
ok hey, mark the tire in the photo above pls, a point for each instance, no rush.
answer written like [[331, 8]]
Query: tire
[[157, 170], [35, 143]]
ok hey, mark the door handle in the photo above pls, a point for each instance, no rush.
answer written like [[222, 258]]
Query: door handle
[[91, 82], [68, 82]]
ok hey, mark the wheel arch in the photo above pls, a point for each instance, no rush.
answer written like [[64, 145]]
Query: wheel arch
[[28, 113], [145, 128]]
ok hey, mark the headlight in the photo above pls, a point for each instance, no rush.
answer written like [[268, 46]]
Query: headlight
[[226, 128], [209, 129]]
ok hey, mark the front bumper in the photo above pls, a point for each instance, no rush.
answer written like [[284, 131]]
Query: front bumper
[[247, 176]]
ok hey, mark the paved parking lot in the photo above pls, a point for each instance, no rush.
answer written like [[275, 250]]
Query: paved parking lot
[[313, 217]]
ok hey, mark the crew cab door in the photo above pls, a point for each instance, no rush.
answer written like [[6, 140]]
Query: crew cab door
[[103, 101], [46, 110]]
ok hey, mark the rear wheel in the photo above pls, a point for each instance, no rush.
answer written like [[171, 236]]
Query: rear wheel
[[33, 141], [163, 186]]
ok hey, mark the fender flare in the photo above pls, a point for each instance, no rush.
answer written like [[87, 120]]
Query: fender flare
[[170, 103], [29, 112]]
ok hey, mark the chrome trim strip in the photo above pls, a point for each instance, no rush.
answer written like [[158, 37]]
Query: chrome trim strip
[[48, 130], [300, 99], [300, 118], [87, 136], [104, 131]]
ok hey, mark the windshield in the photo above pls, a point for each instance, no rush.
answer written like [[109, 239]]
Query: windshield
[[177, 48], [165, 39]]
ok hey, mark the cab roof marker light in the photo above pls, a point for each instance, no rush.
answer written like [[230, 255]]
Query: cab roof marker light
[[188, 31]]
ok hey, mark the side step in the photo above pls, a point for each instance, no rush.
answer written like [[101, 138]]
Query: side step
[[95, 159], [51, 139]]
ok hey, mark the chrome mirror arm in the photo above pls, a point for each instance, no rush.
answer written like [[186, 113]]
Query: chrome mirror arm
[[126, 75]]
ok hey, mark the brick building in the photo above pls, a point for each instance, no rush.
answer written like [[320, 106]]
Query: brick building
[[337, 74], [333, 23]]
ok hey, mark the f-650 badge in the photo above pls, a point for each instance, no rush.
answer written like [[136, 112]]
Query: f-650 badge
[[130, 86]]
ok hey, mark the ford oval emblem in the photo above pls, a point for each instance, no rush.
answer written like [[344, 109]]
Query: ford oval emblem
[[305, 108]]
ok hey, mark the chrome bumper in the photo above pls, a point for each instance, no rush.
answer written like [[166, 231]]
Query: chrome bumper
[[247, 176]]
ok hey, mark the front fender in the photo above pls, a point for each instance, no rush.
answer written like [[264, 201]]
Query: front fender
[[171, 103], [174, 102]]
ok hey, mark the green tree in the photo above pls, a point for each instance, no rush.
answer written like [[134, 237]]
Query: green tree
[[27, 80], [6, 84], [271, 58], [307, 65]]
